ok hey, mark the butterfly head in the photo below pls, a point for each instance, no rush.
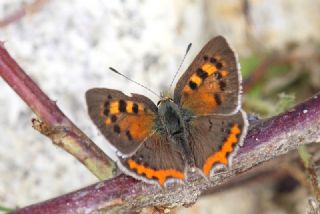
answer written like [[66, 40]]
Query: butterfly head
[[163, 101], [164, 104]]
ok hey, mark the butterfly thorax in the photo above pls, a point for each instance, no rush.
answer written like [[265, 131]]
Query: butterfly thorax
[[174, 124], [170, 117]]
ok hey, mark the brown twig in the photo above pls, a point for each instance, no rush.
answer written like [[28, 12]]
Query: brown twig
[[20, 13], [53, 122], [265, 140], [308, 163], [263, 173]]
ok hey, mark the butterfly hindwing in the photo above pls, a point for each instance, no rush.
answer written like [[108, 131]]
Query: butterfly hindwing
[[214, 139], [156, 160], [125, 121], [211, 84]]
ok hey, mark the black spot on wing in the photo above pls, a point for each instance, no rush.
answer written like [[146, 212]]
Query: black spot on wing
[[122, 106], [128, 135], [217, 98], [219, 65], [213, 60], [201, 73], [135, 108], [193, 85], [106, 108], [113, 118], [222, 85]]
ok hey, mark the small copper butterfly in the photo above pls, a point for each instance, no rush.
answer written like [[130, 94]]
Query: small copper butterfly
[[199, 128]]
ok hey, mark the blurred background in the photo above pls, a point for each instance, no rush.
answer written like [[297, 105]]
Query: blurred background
[[67, 46]]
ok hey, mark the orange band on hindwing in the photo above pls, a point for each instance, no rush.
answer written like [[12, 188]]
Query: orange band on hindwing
[[160, 175], [227, 147]]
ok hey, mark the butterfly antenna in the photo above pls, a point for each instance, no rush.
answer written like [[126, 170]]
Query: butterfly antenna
[[184, 57], [131, 80]]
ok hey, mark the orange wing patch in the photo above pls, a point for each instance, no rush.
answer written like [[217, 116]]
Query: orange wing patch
[[128, 118], [227, 147], [224, 73], [136, 128], [204, 89], [197, 79], [160, 175]]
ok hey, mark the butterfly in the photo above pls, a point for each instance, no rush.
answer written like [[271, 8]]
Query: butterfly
[[200, 128]]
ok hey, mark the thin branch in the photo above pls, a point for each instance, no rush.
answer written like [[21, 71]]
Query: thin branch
[[53, 122], [21, 12], [308, 163], [266, 140]]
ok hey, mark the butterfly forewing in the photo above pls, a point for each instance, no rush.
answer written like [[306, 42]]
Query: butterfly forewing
[[125, 121], [212, 82]]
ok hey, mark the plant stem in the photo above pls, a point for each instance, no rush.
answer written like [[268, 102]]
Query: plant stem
[[53, 122]]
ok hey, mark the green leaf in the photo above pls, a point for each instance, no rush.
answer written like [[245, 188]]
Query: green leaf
[[248, 64], [6, 209]]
